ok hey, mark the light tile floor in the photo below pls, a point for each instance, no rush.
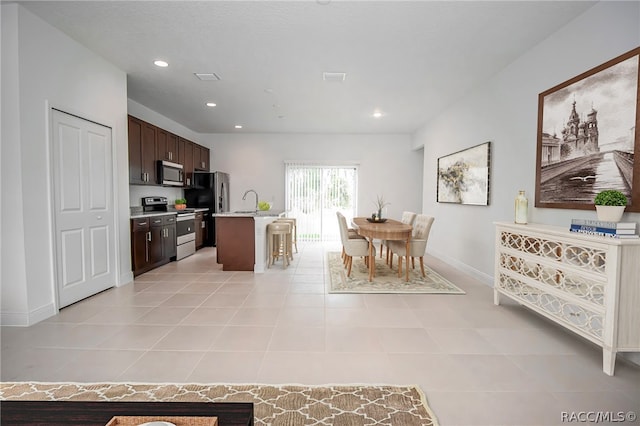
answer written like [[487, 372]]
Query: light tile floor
[[189, 321]]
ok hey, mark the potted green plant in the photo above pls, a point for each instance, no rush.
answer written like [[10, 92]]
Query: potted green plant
[[181, 203], [610, 205]]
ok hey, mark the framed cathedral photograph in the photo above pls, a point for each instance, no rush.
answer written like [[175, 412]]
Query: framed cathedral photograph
[[587, 136]]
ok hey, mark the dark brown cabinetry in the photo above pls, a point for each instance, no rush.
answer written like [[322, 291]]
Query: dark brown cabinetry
[[148, 144], [235, 242], [156, 246], [200, 158], [185, 149], [201, 229], [167, 146], [142, 152], [169, 247], [153, 242], [140, 246]]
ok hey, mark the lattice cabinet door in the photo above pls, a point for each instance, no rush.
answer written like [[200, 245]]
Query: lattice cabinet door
[[588, 284]]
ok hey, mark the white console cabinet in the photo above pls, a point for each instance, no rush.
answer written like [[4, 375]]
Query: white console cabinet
[[588, 284]]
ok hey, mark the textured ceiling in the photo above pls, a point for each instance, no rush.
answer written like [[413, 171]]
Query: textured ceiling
[[408, 59]]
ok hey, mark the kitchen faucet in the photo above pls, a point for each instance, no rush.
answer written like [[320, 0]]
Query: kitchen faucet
[[244, 197]]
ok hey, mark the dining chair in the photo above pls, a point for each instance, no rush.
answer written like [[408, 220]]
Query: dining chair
[[351, 246], [417, 245], [407, 218], [352, 233]]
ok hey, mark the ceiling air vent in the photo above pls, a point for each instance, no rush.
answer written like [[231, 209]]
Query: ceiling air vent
[[334, 76], [207, 76]]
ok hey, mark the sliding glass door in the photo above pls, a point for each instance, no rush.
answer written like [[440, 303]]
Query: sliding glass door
[[314, 192]]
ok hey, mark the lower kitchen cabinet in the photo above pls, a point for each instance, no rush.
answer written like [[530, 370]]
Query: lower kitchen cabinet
[[156, 246], [153, 242], [201, 229], [140, 245], [169, 248]]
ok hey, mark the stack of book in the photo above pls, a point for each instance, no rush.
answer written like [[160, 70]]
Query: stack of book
[[605, 229]]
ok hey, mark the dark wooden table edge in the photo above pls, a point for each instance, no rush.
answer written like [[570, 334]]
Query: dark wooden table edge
[[17, 412]]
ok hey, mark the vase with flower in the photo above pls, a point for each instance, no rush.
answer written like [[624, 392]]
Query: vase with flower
[[380, 204]]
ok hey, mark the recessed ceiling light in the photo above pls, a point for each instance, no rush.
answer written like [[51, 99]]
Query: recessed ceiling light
[[160, 63], [211, 104], [238, 126], [377, 114]]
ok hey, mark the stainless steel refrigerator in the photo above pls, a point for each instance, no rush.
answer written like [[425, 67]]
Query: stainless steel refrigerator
[[209, 190]]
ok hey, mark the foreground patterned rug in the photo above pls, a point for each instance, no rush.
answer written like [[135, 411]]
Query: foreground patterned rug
[[273, 405], [386, 279]]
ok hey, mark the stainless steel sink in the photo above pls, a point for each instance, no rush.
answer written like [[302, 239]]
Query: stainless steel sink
[[246, 211]]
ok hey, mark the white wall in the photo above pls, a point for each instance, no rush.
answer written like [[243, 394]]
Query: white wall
[[388, 166], [150, 116], [43, 68], [504, 111], [12, 269]]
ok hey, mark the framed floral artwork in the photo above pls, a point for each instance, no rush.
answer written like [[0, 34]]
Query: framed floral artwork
[[463, 177]]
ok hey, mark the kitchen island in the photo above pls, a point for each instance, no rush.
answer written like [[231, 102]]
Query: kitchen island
[[242, 239]]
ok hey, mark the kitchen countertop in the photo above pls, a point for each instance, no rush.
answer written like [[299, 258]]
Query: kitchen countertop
[[139, 214], [260, 213], [151, 214]]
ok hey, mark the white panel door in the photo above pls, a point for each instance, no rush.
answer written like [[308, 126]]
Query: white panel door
[[83, 202]]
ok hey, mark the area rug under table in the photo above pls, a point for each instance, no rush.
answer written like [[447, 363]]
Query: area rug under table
[[273, 404], [386, 279]]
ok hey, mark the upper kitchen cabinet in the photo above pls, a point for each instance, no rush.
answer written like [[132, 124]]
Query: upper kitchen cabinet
[[201, 158], [167, 145], [148, 144], [142, 152], [185, 157]]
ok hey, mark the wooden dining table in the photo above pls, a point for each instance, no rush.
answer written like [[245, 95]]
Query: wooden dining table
[[388, 230]]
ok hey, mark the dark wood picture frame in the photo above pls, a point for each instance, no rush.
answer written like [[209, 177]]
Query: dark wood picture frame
[[588, 133], [464, 176]]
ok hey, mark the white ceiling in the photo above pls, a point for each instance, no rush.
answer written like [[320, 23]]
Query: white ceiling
[[410, 59]]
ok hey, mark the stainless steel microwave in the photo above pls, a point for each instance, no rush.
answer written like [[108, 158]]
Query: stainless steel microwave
[[171, 174]]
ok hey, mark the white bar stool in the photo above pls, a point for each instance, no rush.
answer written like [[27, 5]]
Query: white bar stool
[[279, 238], [291, 221]]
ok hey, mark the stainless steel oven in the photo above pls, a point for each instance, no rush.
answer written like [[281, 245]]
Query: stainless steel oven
[[186, 234]]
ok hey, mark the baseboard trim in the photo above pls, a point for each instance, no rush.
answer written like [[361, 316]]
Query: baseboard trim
[[25, 319], [14, 319], [125, 279], [478, 275], [42, 313]]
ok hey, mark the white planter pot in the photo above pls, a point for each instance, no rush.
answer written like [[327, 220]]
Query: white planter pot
[[610, 213]]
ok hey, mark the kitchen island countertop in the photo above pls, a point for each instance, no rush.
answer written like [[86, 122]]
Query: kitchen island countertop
[[259, 213]]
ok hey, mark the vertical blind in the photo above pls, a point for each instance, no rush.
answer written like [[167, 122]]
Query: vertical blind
[[313, 194]]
